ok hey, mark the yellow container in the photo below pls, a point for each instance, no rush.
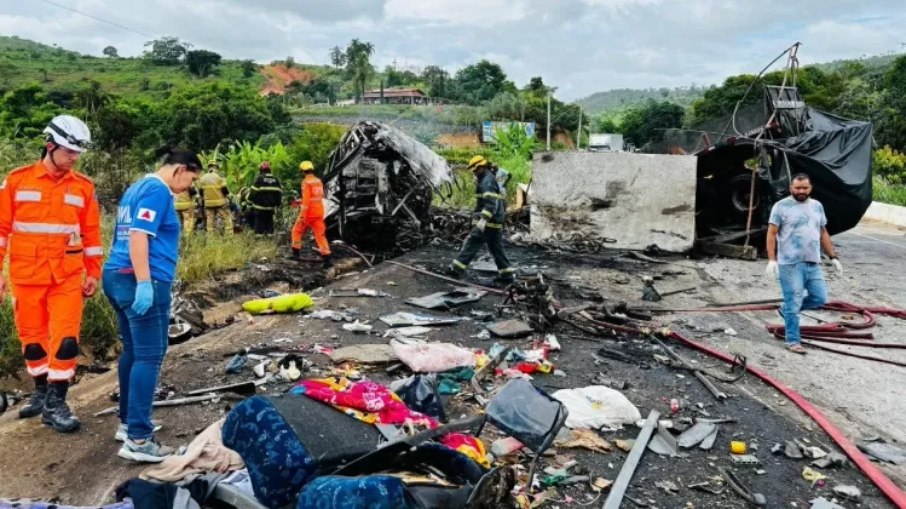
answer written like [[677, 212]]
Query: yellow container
[[738, 447]]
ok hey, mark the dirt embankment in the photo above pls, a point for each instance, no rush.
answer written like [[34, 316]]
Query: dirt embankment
[[279, 77]]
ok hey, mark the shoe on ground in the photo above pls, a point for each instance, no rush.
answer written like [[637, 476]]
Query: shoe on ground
[[56, 413], [35, 404], [122, 431], [453, 272], [151, 451]]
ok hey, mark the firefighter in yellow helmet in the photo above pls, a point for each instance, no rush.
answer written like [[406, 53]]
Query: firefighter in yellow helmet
[[216, 198], [490, 214]]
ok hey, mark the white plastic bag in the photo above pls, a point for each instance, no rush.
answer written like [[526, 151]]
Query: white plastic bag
[[597, 406]]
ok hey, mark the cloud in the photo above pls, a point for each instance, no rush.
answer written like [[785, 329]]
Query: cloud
[[579, 46], [464, 12]]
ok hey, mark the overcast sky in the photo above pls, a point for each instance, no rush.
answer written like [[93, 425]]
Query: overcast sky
[[580, 46]]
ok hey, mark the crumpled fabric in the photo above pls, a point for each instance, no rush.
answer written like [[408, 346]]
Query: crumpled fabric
[[205, 454], [24, 503], [278, 463], [433, 357], [371, 492], [374, 403]]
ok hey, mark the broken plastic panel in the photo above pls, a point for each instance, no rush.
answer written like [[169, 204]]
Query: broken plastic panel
[[447, 300], [402, 319], [527, 414]]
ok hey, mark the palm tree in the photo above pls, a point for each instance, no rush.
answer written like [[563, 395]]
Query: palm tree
[[358, 64]]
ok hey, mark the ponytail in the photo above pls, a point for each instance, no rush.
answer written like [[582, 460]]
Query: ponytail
[[178, 156]]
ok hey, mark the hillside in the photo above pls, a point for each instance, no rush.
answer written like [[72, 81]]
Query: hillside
[[615, 102], [23, 62]]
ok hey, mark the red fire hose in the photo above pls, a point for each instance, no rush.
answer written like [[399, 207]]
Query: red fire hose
[[874, 474], [890, 490]]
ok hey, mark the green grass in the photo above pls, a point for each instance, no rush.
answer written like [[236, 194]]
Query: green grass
[[206, 256], [885, 192], [202, 257]]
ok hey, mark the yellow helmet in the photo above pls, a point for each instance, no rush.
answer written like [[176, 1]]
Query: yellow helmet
[[306, 166], [477, 161]]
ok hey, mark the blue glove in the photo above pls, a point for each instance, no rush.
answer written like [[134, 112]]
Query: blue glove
[[144, 297]]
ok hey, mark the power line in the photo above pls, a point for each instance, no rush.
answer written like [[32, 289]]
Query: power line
[[99, 19]]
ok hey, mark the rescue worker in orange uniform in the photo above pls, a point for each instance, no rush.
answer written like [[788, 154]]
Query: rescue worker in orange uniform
[[311, 214], [50, 224]]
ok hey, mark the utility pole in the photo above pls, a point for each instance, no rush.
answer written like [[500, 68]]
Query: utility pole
[[548, 119], [579, 132]]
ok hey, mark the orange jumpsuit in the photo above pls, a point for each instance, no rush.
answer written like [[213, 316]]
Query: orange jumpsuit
[[311, 215], [52, 231]]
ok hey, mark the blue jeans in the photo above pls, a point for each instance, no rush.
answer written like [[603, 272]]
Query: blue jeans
[[145, 342], [803, 288]]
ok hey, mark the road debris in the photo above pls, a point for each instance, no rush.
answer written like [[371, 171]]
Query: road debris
[[582, 438], [377, 353], [756, 499], [884, 452], [290, 303], [812, 476], [848, 492], [402, 319], [618, 490], [510, 329], [596, 406], [696, 434], [447, 300], [433, 357]]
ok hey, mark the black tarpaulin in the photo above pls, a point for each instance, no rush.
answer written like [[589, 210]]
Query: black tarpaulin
[[834, 152]]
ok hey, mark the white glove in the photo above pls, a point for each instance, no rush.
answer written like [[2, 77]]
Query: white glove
[[837, 266], [482, 224], [772, 270]]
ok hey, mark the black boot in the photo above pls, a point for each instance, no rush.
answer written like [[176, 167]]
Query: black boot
[[328, 263], [36, 403], [297, 254], [56, 412]]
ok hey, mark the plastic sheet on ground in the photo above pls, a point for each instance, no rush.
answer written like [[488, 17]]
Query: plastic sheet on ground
[[433, 357], [401, 319], [597, 406]]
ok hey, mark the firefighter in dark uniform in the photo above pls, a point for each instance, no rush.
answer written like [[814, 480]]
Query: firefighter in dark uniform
[[490, 212], [265, 196]]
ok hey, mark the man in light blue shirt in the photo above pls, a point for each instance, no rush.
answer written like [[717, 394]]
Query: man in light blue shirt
[[796, 235]]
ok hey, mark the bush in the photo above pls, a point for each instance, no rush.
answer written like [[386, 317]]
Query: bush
[[890, 164]]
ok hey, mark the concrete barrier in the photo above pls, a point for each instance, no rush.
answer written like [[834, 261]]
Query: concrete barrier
[[886, 213], [635, 199]]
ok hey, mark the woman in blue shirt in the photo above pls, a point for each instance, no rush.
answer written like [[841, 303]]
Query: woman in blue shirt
[[137, 280]]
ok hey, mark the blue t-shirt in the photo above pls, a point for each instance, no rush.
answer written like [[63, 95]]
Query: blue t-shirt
[[147, 207], [800, 224]]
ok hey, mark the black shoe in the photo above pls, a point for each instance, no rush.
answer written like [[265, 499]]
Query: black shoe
[[453, 272], [297, 254], [328, 263], [36, 403], [56, 412]]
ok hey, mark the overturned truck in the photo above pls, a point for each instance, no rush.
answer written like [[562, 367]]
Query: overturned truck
[[712, 186], [379, 186]]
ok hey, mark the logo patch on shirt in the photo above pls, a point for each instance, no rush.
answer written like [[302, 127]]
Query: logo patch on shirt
[[146, 214]]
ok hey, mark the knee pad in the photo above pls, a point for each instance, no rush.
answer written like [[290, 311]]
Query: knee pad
[[34, 352], [69, 349]]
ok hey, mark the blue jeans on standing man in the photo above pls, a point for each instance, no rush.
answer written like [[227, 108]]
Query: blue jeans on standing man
[[145, 342], [803, 287]]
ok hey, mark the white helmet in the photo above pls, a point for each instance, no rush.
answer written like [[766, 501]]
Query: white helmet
[[70, 132]]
